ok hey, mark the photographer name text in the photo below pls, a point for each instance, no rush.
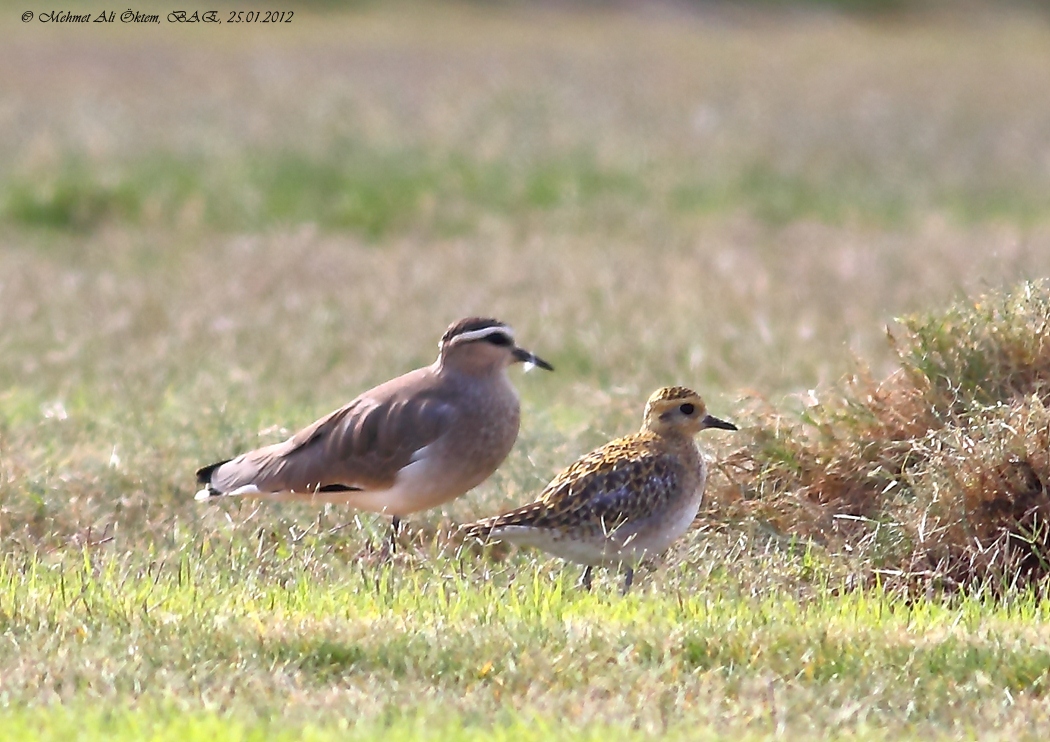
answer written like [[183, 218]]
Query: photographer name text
[[175, 16]]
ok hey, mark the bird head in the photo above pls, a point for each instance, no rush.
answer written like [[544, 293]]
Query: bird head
[[676, 408], [481, 345]]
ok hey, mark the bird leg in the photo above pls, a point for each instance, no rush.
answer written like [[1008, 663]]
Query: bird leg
[[585, 581], [395, 531], [628, 579]]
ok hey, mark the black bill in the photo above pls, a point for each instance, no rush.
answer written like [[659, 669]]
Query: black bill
[[710, 421], [520, 354]]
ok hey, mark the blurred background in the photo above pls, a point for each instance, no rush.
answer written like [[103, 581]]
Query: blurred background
[[210, 234]]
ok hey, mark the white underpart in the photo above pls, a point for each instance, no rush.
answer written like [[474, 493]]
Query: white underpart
[[676, 527], [247, 490], [418, 486], [626, 543], [590, 551]]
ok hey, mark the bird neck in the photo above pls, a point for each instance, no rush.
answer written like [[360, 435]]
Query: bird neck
[[476, 371], [654, 426], [668, 435]]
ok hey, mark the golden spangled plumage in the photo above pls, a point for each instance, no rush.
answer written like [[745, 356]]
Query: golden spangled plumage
[[632, 497]]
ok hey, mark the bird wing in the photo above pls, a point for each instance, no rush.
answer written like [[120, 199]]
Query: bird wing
[[589, 491], [361, 446]]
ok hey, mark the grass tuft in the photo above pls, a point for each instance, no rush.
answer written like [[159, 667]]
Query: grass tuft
[[935, 475]]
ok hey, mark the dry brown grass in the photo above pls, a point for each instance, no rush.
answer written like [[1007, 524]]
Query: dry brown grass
[[935, 475]]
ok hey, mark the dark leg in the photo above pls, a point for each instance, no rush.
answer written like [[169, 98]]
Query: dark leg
[[628, 579], [395, 529], [585, 581]]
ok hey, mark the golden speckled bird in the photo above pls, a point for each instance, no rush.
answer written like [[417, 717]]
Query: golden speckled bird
[[409, 444], [630, 498]]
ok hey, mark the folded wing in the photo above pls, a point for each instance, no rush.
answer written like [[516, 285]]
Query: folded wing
[[361, 446]]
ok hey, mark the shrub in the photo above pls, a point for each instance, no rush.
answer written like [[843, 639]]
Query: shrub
[[932, 477]]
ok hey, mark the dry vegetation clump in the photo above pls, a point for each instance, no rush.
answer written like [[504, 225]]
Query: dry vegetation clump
[[933, 477]]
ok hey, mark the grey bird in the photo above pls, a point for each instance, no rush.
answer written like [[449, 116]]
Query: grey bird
[[410, 444]]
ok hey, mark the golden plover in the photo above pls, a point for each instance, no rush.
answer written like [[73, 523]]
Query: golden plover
[[409, 444], [629, 498]]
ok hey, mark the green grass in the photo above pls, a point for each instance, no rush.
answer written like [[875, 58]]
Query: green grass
[[372, 192], [175, 724], [241, 632], [209, 240], [377, 193]]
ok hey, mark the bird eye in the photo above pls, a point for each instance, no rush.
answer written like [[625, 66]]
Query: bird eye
[[687, 409], [498, 338]]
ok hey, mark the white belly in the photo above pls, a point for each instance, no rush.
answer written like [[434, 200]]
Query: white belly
[[628, 544]]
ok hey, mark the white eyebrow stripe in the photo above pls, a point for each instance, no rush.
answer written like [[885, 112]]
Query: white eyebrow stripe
[[484, 332]]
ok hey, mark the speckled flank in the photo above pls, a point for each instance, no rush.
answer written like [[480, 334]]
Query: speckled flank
[[631, 497]]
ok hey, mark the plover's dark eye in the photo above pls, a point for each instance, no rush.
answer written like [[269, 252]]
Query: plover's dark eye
[[498, 338], [687, 409]]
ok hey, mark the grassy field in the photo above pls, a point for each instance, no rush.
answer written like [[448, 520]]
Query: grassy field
[[211, 236]]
